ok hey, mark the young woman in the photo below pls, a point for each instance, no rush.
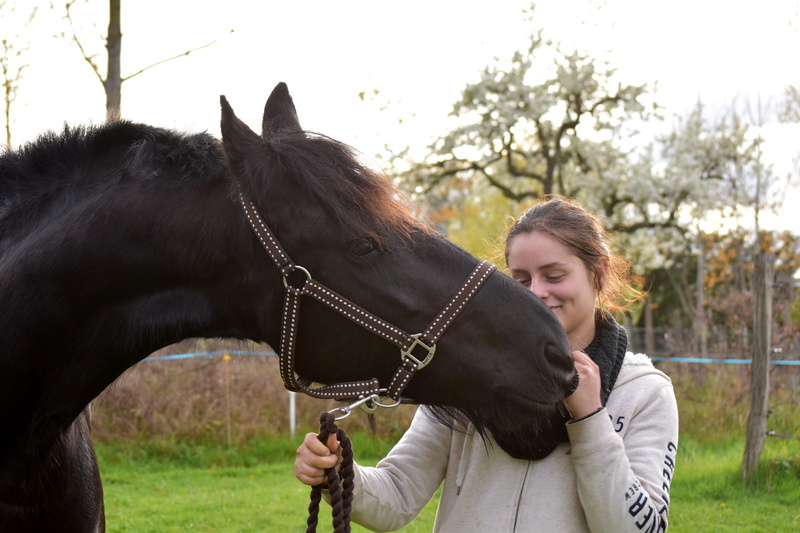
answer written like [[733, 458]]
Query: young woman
[[605, 467]]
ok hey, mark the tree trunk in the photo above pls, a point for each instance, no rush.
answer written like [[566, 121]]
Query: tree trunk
[[759, 384], [700, 326], [7, 110], [113, 81]]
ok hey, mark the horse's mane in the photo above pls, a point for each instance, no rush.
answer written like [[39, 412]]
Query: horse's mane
[[363, 199], [70, 156]]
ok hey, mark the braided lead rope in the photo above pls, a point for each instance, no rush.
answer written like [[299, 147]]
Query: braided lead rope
[[340, 486]]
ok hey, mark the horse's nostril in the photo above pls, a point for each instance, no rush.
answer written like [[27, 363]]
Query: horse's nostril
[[558, 356], [573, 385]]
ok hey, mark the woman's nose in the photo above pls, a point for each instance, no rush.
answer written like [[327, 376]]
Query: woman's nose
[[539, 289]]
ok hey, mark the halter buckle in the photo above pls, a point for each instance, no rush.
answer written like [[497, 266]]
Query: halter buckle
[[420, 361]]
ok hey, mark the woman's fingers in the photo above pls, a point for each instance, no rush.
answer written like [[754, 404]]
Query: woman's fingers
[[586, 398], [313, 457]]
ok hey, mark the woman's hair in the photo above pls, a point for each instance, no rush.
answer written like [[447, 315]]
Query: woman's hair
[[583, 234]]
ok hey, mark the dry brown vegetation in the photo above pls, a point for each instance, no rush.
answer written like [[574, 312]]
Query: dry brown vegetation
[[714, 399], [215, 400]]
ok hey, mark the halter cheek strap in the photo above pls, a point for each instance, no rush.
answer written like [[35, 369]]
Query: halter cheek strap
[[416, 350]]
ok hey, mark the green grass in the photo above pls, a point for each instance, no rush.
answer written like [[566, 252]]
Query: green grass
[[175, 487], [708, 493], [169, 486]]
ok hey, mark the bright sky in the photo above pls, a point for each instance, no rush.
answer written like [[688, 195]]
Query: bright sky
[[420, 54]]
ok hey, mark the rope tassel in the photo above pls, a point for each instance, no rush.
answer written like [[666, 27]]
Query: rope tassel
[[340, 485]]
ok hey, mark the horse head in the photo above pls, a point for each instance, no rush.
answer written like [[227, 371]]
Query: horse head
[[505, 358]]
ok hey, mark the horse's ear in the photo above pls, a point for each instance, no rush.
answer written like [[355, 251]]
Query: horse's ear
[[240, 143], [280, 115]]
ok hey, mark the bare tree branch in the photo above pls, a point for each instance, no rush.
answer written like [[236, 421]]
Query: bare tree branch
[[89, 59], [11, 63], [186, 53]]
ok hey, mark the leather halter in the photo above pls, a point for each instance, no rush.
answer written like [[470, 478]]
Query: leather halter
[[416, 350]]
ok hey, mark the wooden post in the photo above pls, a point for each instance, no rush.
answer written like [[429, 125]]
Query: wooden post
[[226, 362], [700, 325], [759, 383], [649, 334]]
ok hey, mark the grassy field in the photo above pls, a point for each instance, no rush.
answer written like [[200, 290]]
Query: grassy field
[[192, 445], [172, 487], [708, 493]]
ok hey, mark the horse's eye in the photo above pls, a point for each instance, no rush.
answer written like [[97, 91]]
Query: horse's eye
[[362, 247]]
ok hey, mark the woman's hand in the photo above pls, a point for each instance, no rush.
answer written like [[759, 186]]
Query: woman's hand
[[313, 458], [586, 398]]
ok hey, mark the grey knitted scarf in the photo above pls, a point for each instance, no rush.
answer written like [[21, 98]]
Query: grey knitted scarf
[[537, 439]]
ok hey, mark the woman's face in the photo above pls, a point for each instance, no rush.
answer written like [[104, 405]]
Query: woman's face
[[560, 279]]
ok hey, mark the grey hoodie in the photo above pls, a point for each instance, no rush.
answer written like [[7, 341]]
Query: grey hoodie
[[613, 476]]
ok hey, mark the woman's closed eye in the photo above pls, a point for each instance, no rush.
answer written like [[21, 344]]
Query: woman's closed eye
[[525, 281]]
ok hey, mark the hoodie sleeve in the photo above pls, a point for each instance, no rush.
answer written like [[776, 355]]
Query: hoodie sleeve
[[391, 494], [624, 466]]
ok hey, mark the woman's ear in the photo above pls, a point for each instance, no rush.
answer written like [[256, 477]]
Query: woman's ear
[[601, 275]]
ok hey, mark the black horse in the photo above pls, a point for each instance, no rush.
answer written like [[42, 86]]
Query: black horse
[[120, 239]]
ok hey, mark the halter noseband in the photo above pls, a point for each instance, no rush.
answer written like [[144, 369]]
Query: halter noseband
[[416, 350]]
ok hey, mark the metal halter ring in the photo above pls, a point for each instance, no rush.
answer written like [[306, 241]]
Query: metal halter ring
[[295, 268]]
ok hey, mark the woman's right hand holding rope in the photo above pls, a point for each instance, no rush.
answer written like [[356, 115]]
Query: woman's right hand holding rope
[[313, 457], [319, 461]]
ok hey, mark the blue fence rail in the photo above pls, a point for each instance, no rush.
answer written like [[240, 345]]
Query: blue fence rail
[[292, 407], [709, 360], [209, 355], [700, 360]]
